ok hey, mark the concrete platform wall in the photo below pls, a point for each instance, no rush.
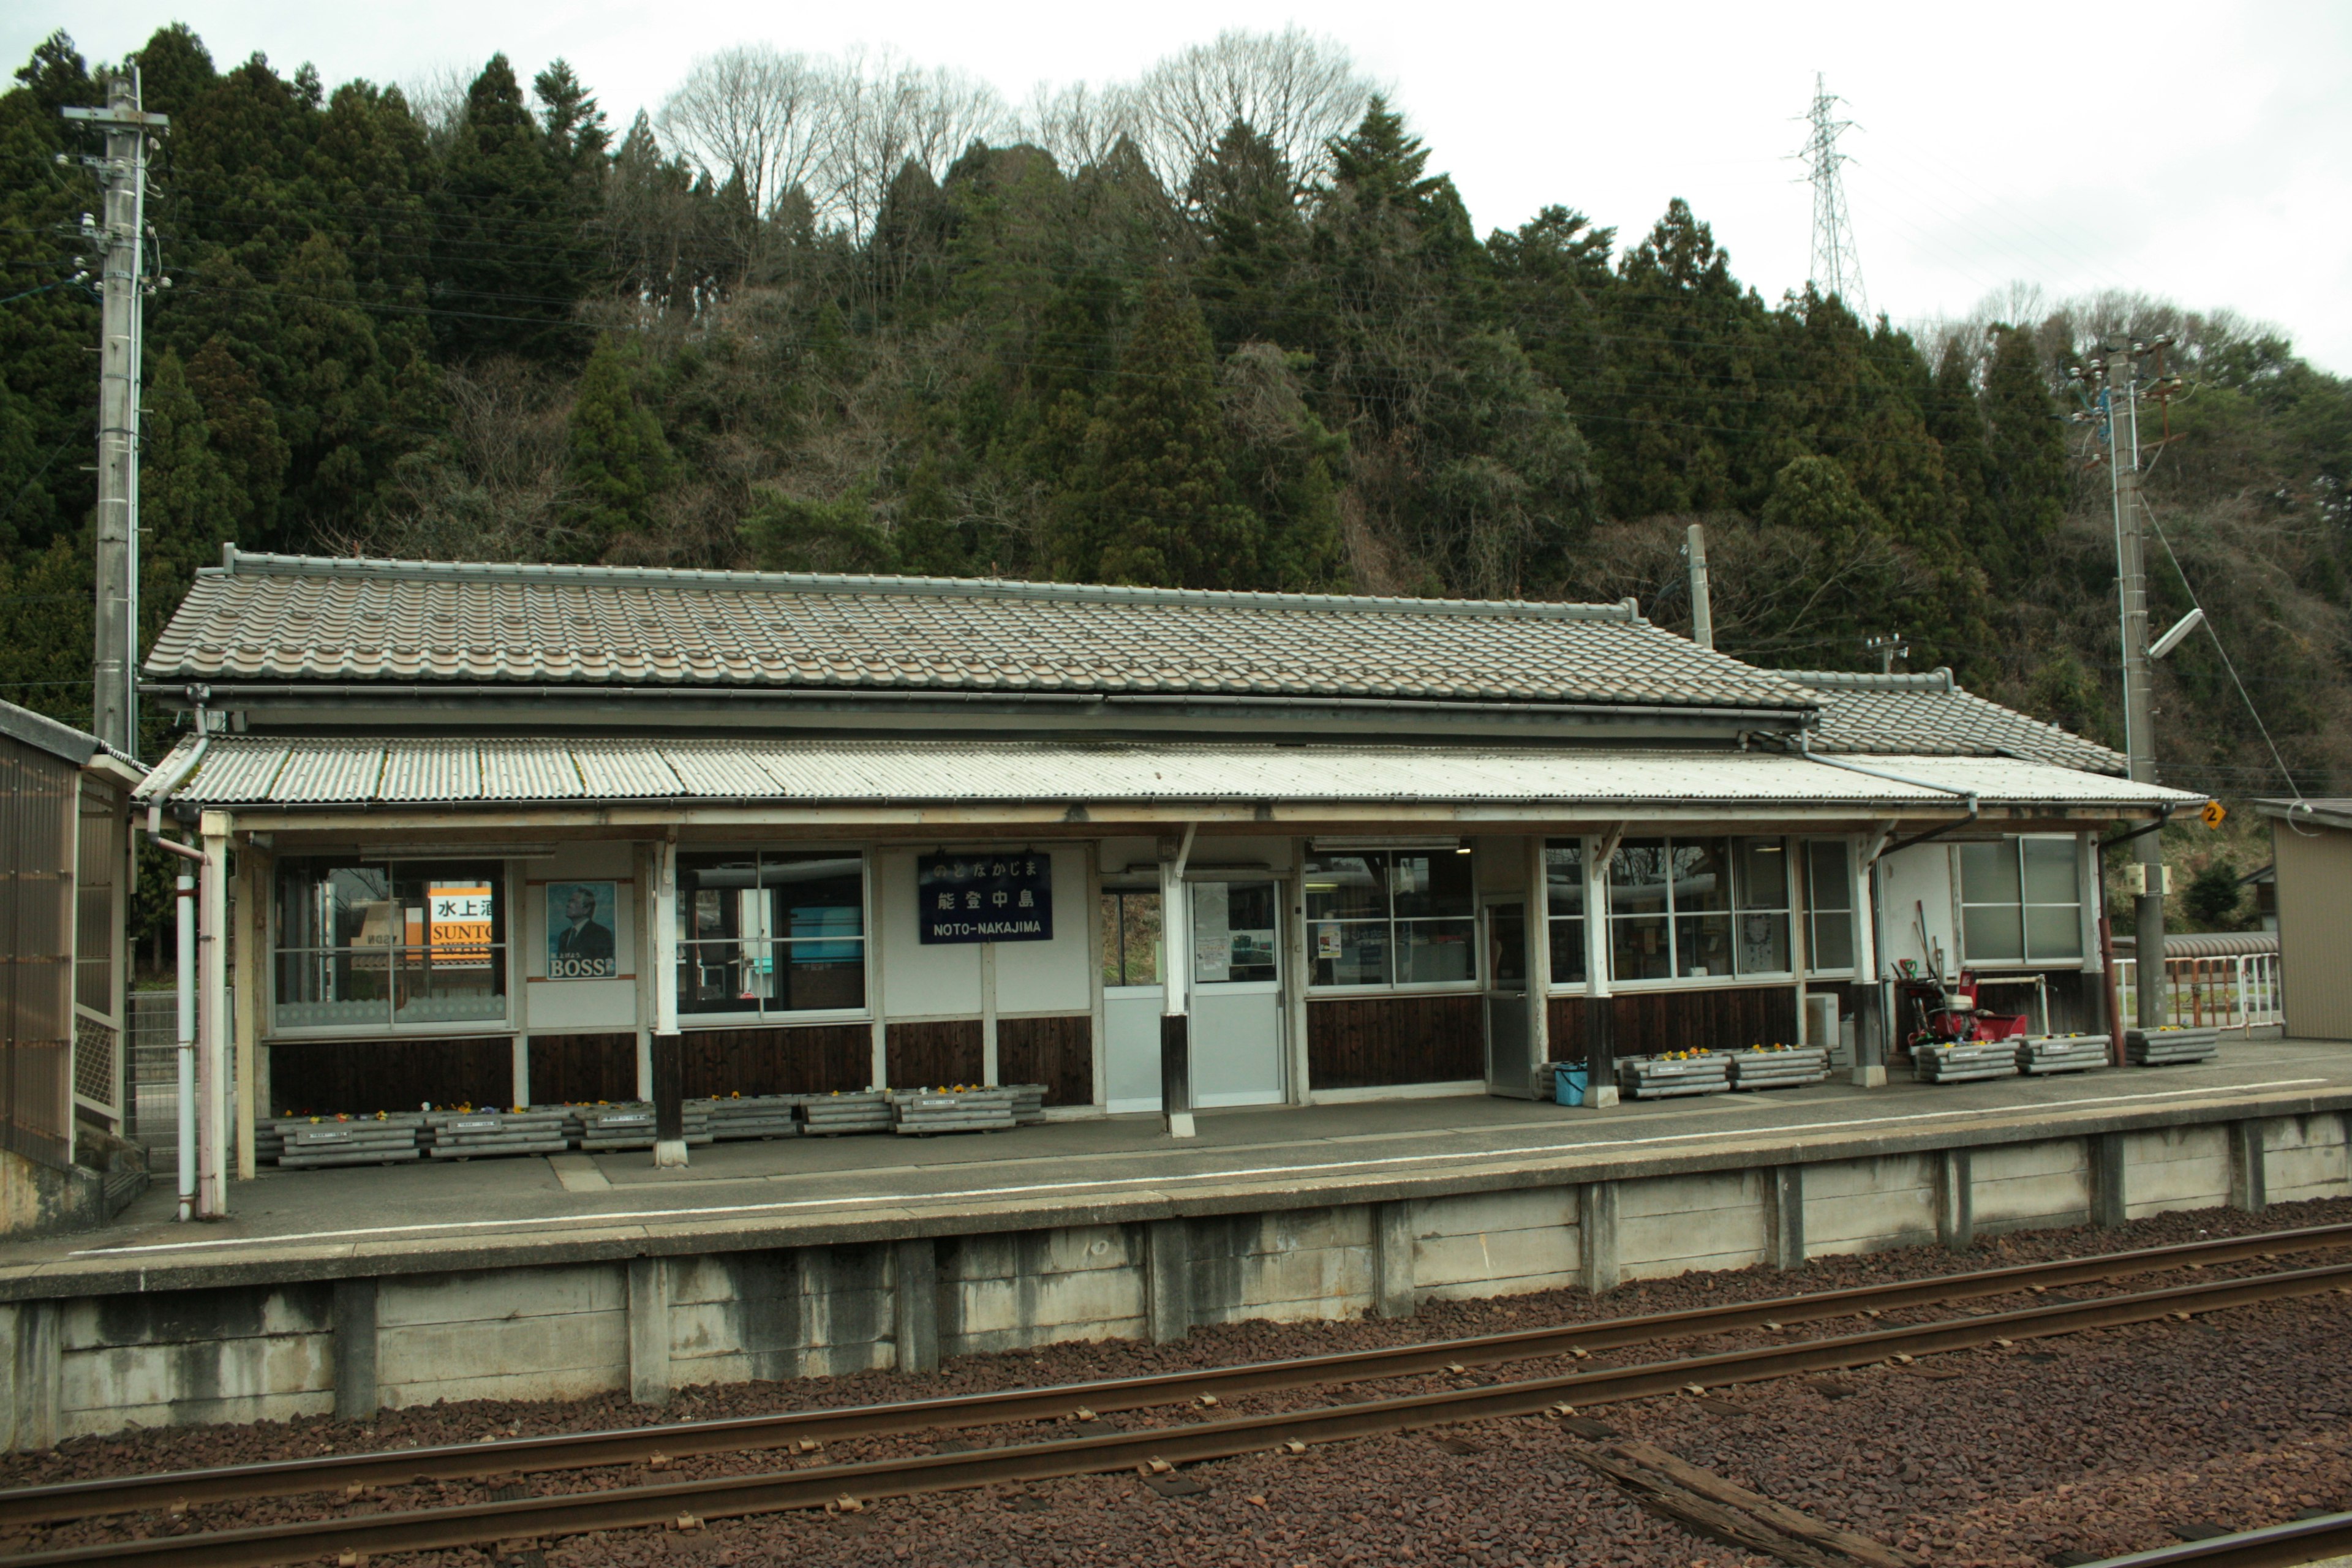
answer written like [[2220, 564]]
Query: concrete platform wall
[[648, 1325]]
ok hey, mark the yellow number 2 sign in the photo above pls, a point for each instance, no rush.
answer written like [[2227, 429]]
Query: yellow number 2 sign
[[2213, 813]]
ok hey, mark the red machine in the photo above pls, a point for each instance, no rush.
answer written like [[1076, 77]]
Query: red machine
[[1954, 1015]]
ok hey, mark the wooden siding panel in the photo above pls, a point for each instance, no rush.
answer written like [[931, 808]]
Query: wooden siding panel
[[1648, 1022], [1369, 1042], [1056, 1052], [814, 1059], [923, 1055], [581, 1070], [325, 1077]]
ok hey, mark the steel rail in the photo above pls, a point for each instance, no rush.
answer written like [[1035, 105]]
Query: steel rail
[[631, 1445], [652, 1506], [2273, 1546]]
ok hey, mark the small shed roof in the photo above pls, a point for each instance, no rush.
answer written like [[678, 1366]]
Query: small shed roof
[[2326, 811], [276, 618], [1931, 714], [279, 771]]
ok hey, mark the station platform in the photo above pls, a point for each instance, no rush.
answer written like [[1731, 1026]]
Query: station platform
[[803, 1191]]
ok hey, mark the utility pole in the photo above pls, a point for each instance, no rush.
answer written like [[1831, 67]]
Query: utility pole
[[1836, 264], [1702, 609], [2119, 406], [1889, 646], [114, 695]]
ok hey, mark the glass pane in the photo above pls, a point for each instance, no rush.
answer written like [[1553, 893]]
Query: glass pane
[[1703, 944], [1233, 932], [1347, 887], [1637, 878], [816, 896], [1763, 873], [1702, 874], [320, 905], [1507, 946], [2050, 870], [1567, 952], [1989, 873], [1564, 876], [334, 986], [1432, 884], [1832, 941], [1828, 883], [817, 975], [451, 925], [1988, 932], [1429, 952], [1349, 953], [718, 896], [2054, 931], [1763, 941], [722, 976], [1137, 938], [1638, 949]]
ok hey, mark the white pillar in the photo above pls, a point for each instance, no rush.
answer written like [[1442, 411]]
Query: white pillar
[[212, 1021], [1538, 965]]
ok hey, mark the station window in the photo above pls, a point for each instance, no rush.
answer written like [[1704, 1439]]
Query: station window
[[1131, 930], [1829, 906], [1696, 907], [770, 933], [1564, 896], [390, 944], [1391, 918], [2022, 901]]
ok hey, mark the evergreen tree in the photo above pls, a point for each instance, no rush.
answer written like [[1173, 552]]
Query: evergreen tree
[[188, 504], [1250, 278], [620, 460], [2025, 456], [1161, 511], [509, 259]]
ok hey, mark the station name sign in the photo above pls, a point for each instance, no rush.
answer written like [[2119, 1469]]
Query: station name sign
[[986, 897]]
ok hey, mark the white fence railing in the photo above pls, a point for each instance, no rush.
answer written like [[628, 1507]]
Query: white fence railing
[[2240, 990]]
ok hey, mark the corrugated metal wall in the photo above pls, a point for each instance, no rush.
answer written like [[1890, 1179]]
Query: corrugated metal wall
[[38, 800], [2314, 910]]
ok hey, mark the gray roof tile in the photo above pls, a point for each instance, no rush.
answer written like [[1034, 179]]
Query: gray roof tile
[[1933, 715], [273, 618]]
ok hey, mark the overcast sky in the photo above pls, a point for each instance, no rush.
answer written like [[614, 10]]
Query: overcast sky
[[2201, 152]]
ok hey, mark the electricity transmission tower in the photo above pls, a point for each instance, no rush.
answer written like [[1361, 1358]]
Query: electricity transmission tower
[[1836, 266]]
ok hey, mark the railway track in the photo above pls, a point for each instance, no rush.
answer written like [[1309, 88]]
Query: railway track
[[2278, 1546], [638, 1445], [690, 1503]]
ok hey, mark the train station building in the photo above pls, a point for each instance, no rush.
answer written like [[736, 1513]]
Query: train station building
[[488, 834]]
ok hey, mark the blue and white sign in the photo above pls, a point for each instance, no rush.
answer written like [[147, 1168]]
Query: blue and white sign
[[986, 897]]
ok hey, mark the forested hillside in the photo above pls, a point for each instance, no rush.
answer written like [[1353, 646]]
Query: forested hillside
[[1229, 325]]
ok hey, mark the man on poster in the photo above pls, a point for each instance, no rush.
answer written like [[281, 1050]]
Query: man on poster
[[583, 948]]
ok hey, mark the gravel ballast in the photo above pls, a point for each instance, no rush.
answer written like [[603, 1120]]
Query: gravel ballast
[[2091, 1443]]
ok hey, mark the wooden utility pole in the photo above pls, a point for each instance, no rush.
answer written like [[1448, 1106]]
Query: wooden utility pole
[[2119, 401], [114, 695]]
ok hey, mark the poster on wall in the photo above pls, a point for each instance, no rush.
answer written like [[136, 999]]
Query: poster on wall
[[579, 944], [986, 897]]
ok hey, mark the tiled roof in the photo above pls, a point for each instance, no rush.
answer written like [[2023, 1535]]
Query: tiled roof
[[287, 618], [1932, 715], [282, 772]]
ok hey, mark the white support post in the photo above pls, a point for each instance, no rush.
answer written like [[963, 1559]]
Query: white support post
[[1600, 1065], [670, 1153], [187, 1042], [211, 1033], [1539, 964], [1175, 986], [1869, 1073]]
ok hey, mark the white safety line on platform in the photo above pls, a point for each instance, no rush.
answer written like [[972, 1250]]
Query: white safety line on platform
[[969, 1194]]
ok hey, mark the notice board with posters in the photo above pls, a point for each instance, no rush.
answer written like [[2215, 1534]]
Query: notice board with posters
[[1005, 896]]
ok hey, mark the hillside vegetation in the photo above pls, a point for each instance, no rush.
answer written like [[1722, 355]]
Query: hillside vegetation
[[1226, 326]]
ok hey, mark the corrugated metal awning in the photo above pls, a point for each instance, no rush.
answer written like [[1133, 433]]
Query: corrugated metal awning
[[244, 769]]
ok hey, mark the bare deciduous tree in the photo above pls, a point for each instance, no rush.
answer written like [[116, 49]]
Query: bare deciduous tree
[[1296, 90], [771, 117], [890, 112]]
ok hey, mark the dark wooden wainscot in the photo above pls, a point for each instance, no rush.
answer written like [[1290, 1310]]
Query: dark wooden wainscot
[[924, 1055], [1367, 1042], [355, 1078], [1648, 1022], [818, 1058], [1056, 1052], [581, 1070]]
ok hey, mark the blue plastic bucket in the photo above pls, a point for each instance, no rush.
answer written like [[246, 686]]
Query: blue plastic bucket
[[1567, 1079]]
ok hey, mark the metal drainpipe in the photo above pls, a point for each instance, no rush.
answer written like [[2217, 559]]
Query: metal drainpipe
[[187, 903]]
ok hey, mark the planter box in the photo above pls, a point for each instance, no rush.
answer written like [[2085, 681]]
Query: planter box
[[1660, 1077], [828, 1115], [462, 1135], [2171, 1047], [362, 1140], [1787, 1067], [924, 1111], [2045, 1054], [744, 1117], [1964, 1063], [602, 1127]]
